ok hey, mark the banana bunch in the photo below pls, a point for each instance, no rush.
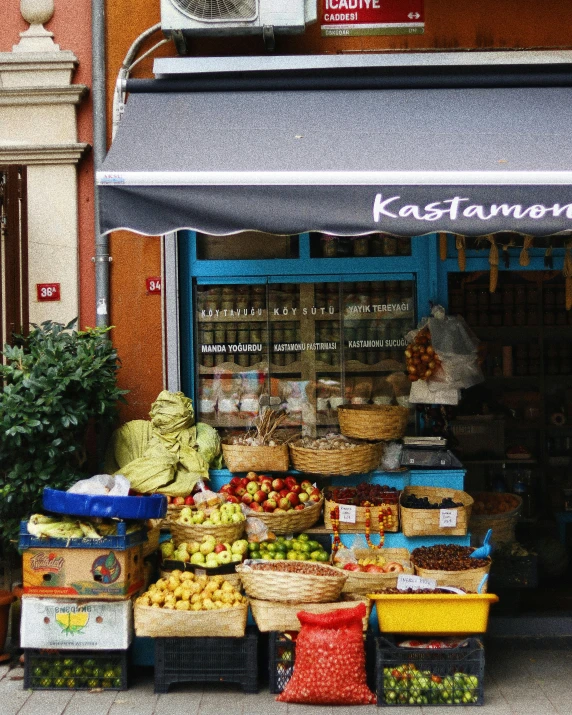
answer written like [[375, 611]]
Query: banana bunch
[[68, 527], [378, 561]]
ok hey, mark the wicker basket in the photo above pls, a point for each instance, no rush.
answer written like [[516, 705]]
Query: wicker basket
[[153, 535], [359, 526], [362, 582], [287, 587], [469, 579], [283, 617], [164, 623], [246, 458], [425, 522], [360, 459], [503, 525], [291, 522], [195, 532], [375, 422]]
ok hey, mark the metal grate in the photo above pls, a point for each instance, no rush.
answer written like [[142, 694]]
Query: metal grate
[[13, 253], [218, 10]]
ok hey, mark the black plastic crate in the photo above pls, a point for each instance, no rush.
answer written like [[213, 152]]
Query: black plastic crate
[[207, 660], [75, 669], [282, 654], [424, 676]]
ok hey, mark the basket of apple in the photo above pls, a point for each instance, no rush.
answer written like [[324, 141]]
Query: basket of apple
[[225, 523], [207, 556], [282, 503], [372, 569]]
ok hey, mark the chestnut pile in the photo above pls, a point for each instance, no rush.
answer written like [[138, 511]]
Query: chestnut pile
[[410, 501], [446, 557], [421, 360]]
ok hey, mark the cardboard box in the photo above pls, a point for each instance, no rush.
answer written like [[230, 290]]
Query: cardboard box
[[78, 625], [83, 573]]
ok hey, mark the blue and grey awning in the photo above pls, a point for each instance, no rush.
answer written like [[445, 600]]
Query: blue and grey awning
[[408, 161]]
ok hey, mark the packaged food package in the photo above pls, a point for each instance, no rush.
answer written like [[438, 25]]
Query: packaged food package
[[228, 388], [330, 660], [391, 458], [294, 393], [207, 396], [251, 388]]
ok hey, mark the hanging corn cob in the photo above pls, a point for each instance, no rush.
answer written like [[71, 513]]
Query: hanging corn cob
[[494, 264], [460, 245], [568, 274], [524, 258], [443, 246]]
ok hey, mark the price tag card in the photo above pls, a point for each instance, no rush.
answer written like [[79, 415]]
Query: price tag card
[[405, 581], [447, 518], [200, 572], [347, 513]]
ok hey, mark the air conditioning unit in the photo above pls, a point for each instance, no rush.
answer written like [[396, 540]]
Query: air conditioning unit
[[189, 18]]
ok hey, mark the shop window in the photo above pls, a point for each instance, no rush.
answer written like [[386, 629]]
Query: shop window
[[249, 245], [308, 347], [377, 244]]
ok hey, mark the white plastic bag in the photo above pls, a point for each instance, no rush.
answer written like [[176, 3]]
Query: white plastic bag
[[102, 484]]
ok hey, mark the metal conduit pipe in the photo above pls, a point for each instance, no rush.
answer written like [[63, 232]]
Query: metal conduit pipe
[[102, 257]]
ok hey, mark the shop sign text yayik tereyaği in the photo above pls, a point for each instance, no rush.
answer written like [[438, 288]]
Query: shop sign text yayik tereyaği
[[351, 18]]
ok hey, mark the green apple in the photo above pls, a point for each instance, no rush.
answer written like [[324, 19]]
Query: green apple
[[224, 557], [167, 549], [199, 517], [226, 518], [216, 517], [236, 558], [207, 547], [212, 561], [181, 556], [193, 547], [237, 518], [240, 546], [208, 522], [198, 559]]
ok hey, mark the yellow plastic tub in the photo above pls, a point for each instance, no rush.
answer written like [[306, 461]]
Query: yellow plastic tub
[[428, 614]]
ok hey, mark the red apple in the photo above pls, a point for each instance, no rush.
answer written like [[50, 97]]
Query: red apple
[[393, 567], [315, 497], [270, 502], [189, 501], [219, 547], [373, 568], [236, 481], [232, 499], [268, 506], [226, 489], [265, 478], [284, 492], [266, 487], [306, 484], [296, 489], [290, 482], [315, 490], [353, 567], [274, 495], [278, 510], [260, 496], [303, 497], [299, 507], [169, 499], [278, 484], [293, 498], [244, 481], [284, 503], [240, 491], [178, 501], [246, 499], [252, 487], [255, 506]]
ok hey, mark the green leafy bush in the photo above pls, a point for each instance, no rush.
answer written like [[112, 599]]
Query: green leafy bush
[[55, 382]]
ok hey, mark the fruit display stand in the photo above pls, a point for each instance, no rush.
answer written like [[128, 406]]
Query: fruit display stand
[[75, 670]]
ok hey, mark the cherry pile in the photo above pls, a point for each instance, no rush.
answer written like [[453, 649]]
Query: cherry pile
[[364, 494], [410, 501]]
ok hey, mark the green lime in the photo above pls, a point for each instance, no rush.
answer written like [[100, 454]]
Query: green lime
[[280, 540], [303, 537], [323, 556], [71, 683], [253, 546], [267, 556], [78, 671], [58, 663], [67, 672], [303, 556], [292, 556], [314, 545], [304, 547], [118, 671], [263, 545], [59, 682], [97, 672], [37, 671], [295, 544], [271, 548], [109, 673], [106, 684], [69, 662], [93, 683], [117, 683], [46, 683], [89, 663], [255, 555], [315, 555]]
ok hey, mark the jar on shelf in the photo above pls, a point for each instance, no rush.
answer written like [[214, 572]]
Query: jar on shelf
[[508, 295], [521, 367], [496, 318], [361, 246], [472, 317], [519, 294], [329, 245], [389, 245], [219, 334], [207, 360], [243, 360], [532, 295], [483, 299], [404, 246], [549, 296], [507, 316], [549, 316], [376, 245], [483, 318], [243, 333], [520, 314], [561, 318], [207, 336], [471, 297]]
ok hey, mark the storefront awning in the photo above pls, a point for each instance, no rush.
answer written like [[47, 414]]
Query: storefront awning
[[472, 161]]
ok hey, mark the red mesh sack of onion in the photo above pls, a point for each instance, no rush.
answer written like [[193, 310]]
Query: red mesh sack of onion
[[330, 660]]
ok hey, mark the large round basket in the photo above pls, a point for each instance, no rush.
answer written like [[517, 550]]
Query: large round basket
[[291, 521], [288, 586], [468, 579], [359, 526], [246, 458], [375, 422], [360, 459], [362, 582], [195, 532], [164, 623], [427, 522], [502, 525], [283, 617]]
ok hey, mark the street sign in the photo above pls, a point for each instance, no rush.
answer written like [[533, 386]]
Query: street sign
[[351, 18]]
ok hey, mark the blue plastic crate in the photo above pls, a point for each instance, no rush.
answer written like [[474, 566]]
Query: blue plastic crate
[[153, 506], [120, 542]]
